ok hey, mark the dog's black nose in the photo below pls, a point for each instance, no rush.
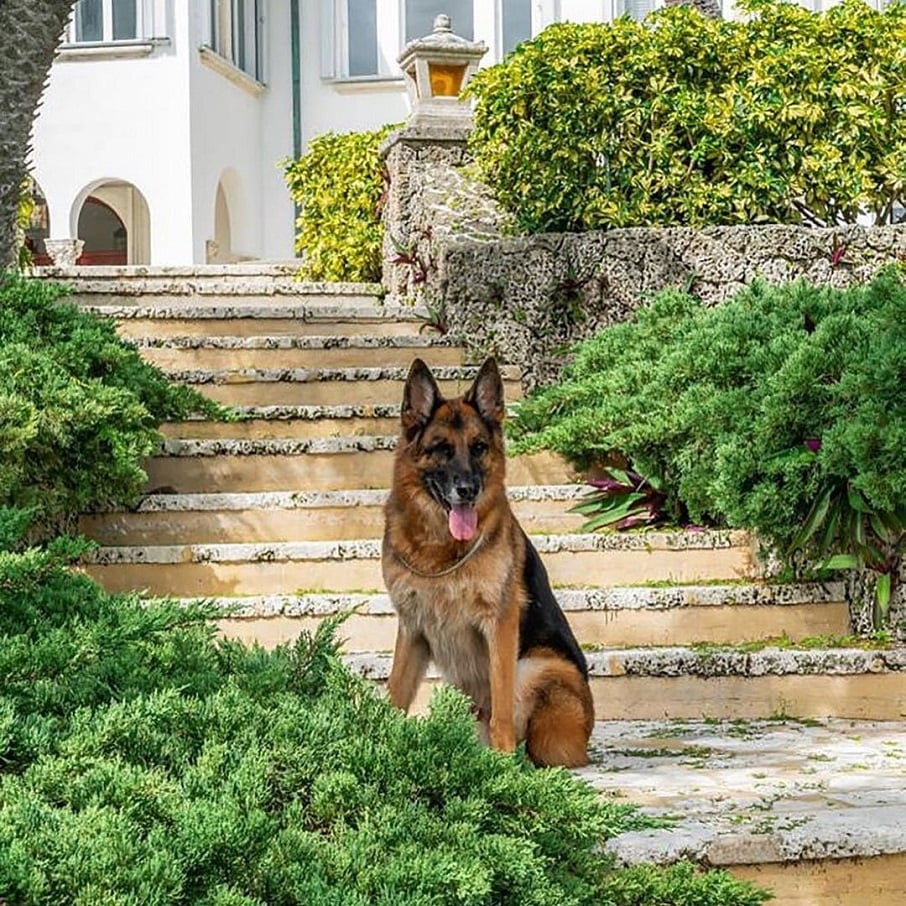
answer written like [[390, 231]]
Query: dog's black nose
[[465, 488]]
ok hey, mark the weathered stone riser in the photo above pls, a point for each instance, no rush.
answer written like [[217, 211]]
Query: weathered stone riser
[[866, 696], [181, 359], [243, 390], [287, 293], [308, 524], [728, 625], [268, 575], [276, 428], [313, 472], [255, 327], [875, 881]]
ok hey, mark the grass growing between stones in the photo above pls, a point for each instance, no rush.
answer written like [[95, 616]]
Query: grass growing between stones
[[142, 760], [877, 641]]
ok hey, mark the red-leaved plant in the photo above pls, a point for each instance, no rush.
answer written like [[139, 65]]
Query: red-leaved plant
[[843, 530], [622, 499]]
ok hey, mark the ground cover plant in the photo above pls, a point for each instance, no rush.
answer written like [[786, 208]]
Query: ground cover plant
[[79, 408], [783, 115], [144, 761], [780, 411], [338, 186]]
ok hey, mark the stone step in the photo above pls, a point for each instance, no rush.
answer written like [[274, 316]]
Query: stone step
[[183, 275], [686, 683], [293, 352], [264, 308], [220, 570], [318, 464], [287, 422], [813, 811], [271, 317], [233, 321], [622, 616], [309, 516], [248, 278], [281, 294], [327, 386]]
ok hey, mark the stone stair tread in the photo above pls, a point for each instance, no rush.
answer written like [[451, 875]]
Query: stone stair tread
[[271, 309], [294, 446], [755, 792], [626, 597], [307, 341], [319, 375], [313, 412], [104, 274], [717, 660], [711, 662], [311, 499], [370, 548]]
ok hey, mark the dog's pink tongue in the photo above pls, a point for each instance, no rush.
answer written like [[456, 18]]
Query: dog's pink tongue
[[463, 522]]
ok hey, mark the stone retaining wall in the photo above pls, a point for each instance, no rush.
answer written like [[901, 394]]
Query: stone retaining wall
[[532, 296]]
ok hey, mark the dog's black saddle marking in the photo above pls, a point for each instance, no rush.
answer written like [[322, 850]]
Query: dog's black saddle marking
[[543, 622]]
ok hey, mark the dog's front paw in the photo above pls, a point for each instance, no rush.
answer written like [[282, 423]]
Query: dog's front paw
[[502, 736]]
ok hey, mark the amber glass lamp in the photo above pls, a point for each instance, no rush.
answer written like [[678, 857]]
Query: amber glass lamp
[[437, 68]]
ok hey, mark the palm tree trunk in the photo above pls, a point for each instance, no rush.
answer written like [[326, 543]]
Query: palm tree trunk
[[30, 31]]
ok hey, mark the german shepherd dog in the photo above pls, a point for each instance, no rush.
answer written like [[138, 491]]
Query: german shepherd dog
[[470, 590]]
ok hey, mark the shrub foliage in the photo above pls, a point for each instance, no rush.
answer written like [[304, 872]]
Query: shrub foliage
[[784, 116], [781, 411], [78, 406], [338, 185], [144, 761]]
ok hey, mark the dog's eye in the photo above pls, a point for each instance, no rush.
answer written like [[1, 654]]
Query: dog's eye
[[479, 448], [442, 449]]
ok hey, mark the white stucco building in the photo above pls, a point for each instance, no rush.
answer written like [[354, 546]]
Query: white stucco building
[[162, 131]]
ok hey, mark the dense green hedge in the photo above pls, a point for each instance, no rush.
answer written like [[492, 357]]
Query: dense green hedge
[[78, 407], [337, 185], [780, 411], [145, 762], [783, 116]]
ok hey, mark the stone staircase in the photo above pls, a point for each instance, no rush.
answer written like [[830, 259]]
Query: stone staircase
[[277, 516]]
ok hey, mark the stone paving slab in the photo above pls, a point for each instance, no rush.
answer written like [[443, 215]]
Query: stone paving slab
[[751, 792]]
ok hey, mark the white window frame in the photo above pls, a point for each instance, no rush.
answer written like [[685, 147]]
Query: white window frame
[[221, 30], [335, 43], [487, 21], [543, 14], [143, 14]]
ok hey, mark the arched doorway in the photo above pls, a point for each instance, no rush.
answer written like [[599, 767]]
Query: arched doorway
[[220, 250], [114, 223], [38, 227], [229, 239], [103, 232]]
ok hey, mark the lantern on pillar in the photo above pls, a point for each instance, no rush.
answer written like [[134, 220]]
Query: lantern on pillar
[[437, 68]]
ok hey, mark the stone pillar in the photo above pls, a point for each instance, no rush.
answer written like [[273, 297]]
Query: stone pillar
[[64, 252], [437, 68], [411, 156]]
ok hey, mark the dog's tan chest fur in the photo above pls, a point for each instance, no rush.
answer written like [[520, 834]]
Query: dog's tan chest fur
[[448, 615]]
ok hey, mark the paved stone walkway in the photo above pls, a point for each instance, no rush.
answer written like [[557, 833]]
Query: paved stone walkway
[[752, 792]]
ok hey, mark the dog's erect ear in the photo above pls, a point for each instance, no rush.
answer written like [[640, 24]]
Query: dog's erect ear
[[420, 398], [486, 394]]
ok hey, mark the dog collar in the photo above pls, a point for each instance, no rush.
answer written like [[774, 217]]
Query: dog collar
[[444, 572]]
